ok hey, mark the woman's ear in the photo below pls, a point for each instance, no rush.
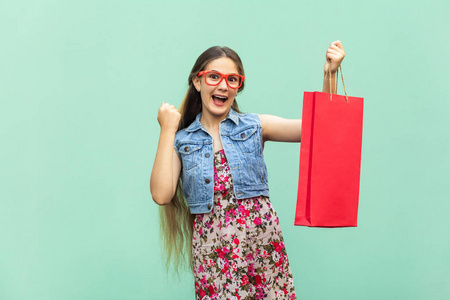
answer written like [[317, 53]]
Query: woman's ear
[[196, 82]]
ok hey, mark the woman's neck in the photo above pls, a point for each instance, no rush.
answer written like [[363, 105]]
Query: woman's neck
[[211, 122]]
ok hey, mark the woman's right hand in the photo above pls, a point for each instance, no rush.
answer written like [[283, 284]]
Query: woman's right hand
[[168, 117]]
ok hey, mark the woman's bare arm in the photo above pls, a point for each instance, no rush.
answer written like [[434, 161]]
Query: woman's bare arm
[[167, 166], [280, 129]]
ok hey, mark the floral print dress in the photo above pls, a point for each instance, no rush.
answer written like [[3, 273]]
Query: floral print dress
[[238, 249]]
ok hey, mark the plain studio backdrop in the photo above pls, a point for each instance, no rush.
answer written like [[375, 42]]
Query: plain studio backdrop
[[80, 86]]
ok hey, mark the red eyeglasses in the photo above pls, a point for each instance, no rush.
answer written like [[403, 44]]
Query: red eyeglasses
[[234, 81]]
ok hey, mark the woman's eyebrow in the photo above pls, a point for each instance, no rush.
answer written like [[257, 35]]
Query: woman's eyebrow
[[228, 73]]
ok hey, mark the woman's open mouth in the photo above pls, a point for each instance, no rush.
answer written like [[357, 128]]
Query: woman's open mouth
[[219, 100]]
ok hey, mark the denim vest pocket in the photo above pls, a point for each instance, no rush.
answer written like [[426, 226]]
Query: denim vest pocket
[[246, 139], [189, 153]]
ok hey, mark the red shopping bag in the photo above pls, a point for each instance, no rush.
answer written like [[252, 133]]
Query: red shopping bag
[[330, 160]]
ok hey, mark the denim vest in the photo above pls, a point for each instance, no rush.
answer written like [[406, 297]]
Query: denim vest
[[241, 136]]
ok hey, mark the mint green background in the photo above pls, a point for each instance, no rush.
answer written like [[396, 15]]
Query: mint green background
[[80, 85]]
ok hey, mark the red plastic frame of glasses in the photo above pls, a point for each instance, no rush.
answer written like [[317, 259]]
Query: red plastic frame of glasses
[[222, 76]]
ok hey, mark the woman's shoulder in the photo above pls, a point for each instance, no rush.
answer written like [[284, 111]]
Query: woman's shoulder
[[191, 136], [249, 118], [182, 134]]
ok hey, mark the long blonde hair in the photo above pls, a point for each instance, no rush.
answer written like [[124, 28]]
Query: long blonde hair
[[177, 223]]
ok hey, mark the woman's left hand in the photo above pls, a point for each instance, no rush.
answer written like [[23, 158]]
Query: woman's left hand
[[335, 55]]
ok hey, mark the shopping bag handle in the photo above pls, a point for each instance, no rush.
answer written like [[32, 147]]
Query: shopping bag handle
[[336, 83]]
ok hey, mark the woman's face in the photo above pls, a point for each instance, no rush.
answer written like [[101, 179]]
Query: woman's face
[[217, 100]]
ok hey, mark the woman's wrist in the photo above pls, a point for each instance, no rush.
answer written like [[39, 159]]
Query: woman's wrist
[[326, 74], [167, 131]]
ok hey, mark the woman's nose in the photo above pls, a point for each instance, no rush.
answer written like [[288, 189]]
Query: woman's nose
[[223, 84]]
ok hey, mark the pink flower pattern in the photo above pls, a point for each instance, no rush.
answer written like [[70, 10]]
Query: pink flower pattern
[[238, 248]]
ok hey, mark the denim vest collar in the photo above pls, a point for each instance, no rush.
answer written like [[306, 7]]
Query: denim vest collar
[[196, 125]]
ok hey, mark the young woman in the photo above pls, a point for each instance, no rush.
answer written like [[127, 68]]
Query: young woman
[[210, 178]]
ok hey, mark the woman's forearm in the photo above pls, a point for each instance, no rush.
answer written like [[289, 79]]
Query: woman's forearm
[[162, 177]]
